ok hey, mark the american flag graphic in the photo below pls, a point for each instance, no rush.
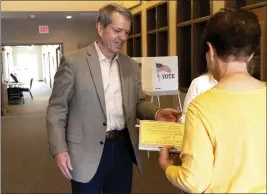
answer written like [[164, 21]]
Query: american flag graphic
[[163, 68]]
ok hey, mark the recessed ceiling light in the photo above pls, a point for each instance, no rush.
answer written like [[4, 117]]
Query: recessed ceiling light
[[69, 17], [32, 16]]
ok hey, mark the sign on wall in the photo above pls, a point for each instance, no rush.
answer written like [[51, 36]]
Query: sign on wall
[[44, 29], [159, 75]]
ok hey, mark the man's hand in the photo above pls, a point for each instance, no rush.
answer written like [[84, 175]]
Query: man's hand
[[168, 114], [63, 162]]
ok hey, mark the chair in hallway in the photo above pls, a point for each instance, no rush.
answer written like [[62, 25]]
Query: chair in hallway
[[15, 93], [28, 89]]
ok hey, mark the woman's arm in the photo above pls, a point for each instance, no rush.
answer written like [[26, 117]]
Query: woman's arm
[[197, 157]]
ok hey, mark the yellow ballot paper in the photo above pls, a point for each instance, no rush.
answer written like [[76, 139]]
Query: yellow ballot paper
[[155, 134]]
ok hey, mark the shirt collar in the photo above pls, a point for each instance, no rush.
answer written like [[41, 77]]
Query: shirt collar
[[101, 56]]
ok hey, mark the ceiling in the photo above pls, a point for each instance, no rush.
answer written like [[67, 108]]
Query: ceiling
[[49, 15]]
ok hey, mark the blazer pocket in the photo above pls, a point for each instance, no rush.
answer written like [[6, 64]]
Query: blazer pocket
[[74, 138]]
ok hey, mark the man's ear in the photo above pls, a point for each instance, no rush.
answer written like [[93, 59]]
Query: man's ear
[[99, 29]]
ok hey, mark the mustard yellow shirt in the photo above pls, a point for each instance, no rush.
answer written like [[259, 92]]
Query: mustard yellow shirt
[[224, 146]]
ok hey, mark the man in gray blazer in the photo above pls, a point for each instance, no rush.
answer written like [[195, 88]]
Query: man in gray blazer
[[92, 111]]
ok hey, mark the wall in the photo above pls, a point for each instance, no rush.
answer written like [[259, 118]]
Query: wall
[[30, 67], [10, 5], [69, 32], [41, 65], [7, 60]]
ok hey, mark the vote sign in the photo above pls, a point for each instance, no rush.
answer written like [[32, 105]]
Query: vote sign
[[159, 75]]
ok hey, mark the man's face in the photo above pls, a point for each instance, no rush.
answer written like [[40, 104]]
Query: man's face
[[115, 34]]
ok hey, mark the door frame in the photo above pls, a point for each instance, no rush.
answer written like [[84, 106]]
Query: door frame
[[61, 45]]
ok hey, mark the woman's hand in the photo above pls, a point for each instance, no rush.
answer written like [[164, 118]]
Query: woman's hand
[[165, 158]]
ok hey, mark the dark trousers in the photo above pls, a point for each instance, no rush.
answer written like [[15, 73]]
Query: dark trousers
[[114, 174]]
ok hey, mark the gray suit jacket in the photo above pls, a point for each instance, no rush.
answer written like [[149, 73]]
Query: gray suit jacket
[[76, 112]]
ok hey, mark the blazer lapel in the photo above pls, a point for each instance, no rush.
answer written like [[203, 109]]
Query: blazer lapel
[[95, 70], [124, 78]]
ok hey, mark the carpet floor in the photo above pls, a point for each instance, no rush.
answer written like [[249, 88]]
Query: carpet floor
[[27, 166]]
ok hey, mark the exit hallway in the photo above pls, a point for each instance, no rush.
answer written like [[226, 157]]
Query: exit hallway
[[27, 166]]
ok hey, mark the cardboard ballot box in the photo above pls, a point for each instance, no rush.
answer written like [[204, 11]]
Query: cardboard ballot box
[[159, 75]]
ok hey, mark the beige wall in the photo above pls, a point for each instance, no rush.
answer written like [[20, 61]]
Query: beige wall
[[10, 5], [69, 32]]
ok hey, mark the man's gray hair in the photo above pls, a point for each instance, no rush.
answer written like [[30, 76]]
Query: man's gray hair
[[104, 16]]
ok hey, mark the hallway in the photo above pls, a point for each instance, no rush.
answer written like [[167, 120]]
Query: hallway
[[27, 166]]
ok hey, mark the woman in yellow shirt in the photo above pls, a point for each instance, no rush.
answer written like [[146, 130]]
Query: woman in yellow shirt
[[224, 147]]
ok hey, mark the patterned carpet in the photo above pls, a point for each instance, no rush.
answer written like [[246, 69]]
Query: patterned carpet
[[27, 166]]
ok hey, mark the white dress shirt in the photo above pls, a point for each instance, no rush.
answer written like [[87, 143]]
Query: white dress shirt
[[112, 90], [197, 87]]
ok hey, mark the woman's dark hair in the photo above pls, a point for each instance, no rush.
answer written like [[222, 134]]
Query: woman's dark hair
[[234, 33]]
